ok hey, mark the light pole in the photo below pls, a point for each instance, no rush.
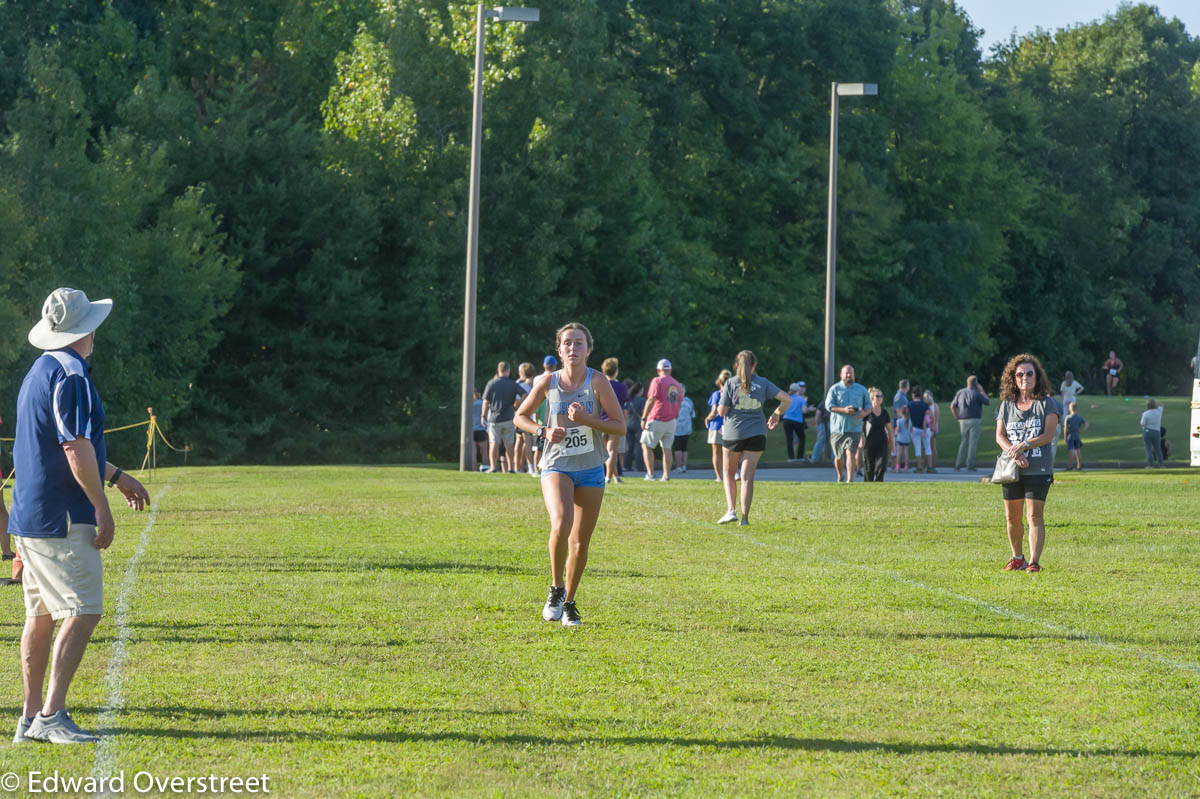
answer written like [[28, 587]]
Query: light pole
[[466, 426], [836, 90]]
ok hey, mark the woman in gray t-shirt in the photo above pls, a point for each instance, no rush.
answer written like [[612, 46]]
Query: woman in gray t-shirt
[[1026, 422], [744, 433]]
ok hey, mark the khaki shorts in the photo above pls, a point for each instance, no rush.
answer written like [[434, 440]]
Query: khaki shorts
[[63, 577], [503, 432], [843, 443], [659, 431]]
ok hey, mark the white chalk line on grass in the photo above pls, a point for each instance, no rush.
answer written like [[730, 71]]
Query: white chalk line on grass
[[991, 607], [114, 680]]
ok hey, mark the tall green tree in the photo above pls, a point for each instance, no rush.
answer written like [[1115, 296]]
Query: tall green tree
[[738, 97], [1120, 116], [567, 205], [959, 193], [96, 213]]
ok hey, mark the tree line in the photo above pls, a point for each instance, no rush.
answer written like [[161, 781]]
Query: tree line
[[274, 194]]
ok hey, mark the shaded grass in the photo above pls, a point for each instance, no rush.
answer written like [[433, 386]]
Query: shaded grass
[[369, 632]]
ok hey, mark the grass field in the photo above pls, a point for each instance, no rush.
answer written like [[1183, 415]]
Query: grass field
[[1113, 438], [377, 632]]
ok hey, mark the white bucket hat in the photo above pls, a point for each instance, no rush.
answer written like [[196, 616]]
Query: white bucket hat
[[67, 316]]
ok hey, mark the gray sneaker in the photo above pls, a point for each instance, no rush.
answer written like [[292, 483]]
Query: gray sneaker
[[58, 729], [22, 730]]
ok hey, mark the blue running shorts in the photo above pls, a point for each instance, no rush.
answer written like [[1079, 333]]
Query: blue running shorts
[[584, 478]]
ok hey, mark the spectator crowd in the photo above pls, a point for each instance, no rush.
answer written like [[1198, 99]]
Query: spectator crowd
[[850, 426]]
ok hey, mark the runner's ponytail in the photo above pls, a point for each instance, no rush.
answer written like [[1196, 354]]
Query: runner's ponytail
[[744, 364]]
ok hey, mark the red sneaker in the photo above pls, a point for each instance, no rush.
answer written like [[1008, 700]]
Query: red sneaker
[[1033, 567], [1015, 565]]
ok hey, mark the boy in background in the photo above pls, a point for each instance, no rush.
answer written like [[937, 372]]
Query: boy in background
[[1075, 425]]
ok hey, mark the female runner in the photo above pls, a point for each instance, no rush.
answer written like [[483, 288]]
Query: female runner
[[744, 434], [573, 461]]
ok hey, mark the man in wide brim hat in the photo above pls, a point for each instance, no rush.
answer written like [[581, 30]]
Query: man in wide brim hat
[[60, 515], [59, 326], [67, 316]]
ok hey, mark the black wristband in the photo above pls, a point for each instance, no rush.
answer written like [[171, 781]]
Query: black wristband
[[116, 475]]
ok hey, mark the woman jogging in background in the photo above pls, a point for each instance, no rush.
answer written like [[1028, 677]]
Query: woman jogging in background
[[1112, 372], [713, 422], [1026, 424], [573, 461], [745, 430]]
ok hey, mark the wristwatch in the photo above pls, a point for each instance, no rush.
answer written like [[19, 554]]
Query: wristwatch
[[541, 431]]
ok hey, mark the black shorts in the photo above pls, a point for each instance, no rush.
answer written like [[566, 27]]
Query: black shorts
[[479, 436], [681, 443], [1032, 487], [751, 444]]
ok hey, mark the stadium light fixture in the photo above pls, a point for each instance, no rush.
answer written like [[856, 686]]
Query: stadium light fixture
[[837, 90], [466, 426], [510, 14]]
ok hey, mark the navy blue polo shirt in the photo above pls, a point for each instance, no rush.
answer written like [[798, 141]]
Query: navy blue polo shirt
[[58, 403]]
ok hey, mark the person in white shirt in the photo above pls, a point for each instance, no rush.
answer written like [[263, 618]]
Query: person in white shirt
[[1069, 389], [683, 429], [1152, 434]]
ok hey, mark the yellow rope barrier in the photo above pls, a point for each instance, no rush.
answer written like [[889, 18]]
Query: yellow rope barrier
[[106, 432], [150, 441], [152, 429], [158, 430], [126, 427]]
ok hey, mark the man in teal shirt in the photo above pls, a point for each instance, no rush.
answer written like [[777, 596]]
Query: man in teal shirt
[[847, 402]]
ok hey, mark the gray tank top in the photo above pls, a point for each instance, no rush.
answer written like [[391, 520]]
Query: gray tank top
[[1027, 425], [583, 448]]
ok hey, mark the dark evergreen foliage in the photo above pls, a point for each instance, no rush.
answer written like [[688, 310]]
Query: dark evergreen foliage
[[275, 196]]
